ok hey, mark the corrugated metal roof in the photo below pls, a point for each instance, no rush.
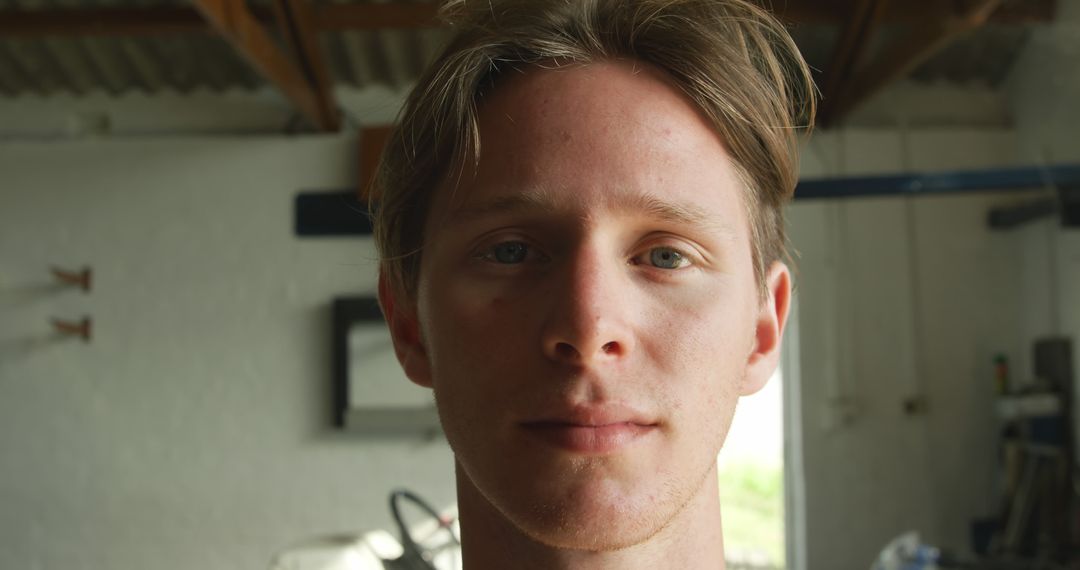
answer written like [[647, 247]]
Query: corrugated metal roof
[[390, 57], [185, 62], [117, 65], [983, 57]]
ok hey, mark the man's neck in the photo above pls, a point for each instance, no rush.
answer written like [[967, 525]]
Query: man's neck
[[693, 539]]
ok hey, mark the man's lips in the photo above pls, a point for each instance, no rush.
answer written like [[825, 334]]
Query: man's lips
[[594, 415], [591, 430]]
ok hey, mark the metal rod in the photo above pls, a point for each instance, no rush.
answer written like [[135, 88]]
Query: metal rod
[[1034, 178]]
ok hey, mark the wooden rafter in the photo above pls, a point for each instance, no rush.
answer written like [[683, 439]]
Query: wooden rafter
[[102, 22], [918, 12], [235, 23], [188, 20], [1024, 12], [376, 16], [906, 54], [297, 24], [305, 80], [371, 16], [848, 53]]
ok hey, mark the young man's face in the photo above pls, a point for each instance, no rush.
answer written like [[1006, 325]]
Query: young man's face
[[587, 312]]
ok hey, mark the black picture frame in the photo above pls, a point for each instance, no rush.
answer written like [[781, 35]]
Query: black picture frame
[[348, 314]]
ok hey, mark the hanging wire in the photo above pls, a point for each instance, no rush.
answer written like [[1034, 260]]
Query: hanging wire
[[414, 556]]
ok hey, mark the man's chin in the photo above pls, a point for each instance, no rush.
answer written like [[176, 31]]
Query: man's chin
[[590, 536], [595, 516], [574, 502]]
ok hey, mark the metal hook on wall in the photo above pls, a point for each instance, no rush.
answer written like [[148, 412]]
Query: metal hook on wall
[[80, 329], [81, 279]]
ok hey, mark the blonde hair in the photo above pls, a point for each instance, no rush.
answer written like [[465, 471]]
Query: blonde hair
[[732, 58]]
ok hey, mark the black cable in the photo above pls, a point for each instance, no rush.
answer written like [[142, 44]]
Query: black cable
[[413, 556]]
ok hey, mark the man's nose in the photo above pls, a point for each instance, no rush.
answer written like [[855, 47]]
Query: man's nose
[[590, 318]]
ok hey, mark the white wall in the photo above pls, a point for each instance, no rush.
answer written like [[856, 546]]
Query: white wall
[[193, 431], [901, 298], [1045, 88]]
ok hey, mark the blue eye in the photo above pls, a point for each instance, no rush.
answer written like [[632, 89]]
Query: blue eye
[[667, 258], [510, 252]]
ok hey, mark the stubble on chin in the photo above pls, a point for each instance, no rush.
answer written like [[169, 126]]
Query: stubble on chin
[[563, 519]]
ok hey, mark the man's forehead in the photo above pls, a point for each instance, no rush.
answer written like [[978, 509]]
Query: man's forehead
[[598, 88], [617, 132]]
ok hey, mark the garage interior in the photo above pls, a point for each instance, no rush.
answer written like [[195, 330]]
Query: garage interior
[[184, 252]]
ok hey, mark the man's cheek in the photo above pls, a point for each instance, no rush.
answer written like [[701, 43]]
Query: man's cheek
[[686, 341], [481, 338]]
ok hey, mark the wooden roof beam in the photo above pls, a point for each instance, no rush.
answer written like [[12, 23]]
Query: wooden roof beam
[[906, 54], [341, 17], [297, 24], [810, 11], [235, 23], [848, 53], [102, 22], [188, 20], [374, 16], [909, 11], [918, 12], [1032, 12]]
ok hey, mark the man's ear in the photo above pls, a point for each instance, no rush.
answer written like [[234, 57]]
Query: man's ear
[[405, 334], [768, 330]]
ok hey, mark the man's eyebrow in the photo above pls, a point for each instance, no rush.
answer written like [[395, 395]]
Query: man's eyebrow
[[677, 213], [645, 204], [528, 201]]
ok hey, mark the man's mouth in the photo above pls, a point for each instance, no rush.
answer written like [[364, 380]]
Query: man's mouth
[[593, 430]]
